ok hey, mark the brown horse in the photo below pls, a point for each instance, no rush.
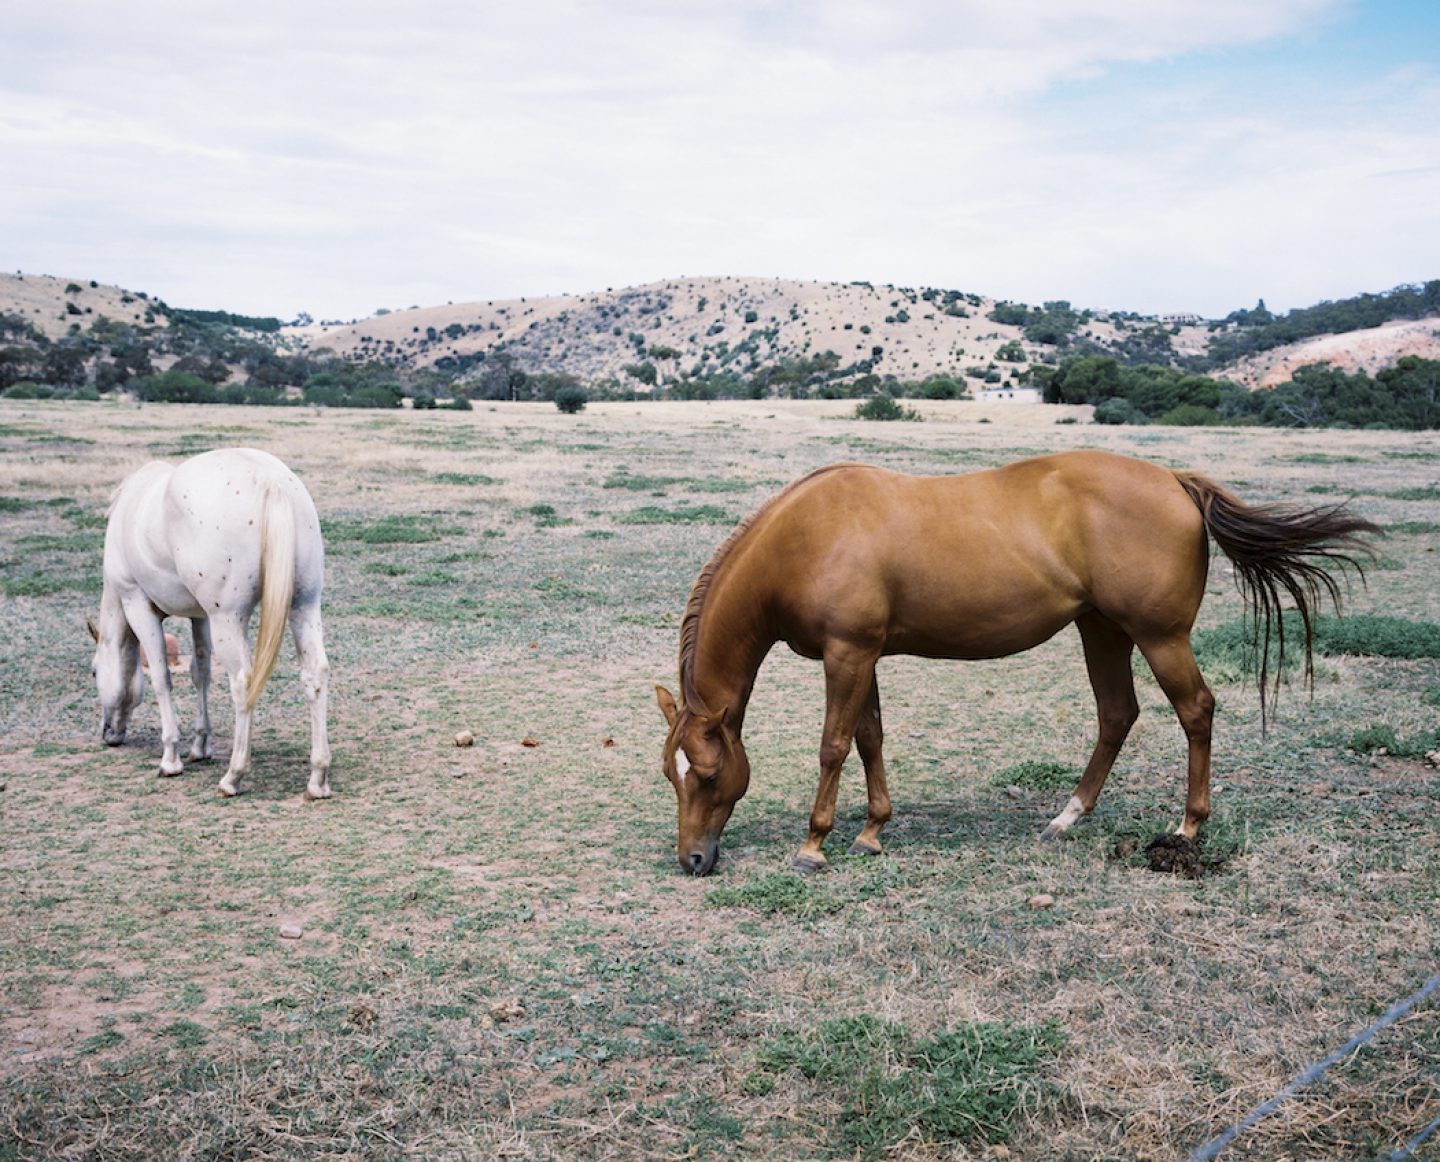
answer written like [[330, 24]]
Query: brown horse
[[851, 563]]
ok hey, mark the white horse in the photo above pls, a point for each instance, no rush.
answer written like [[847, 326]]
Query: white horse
[[209, 539]]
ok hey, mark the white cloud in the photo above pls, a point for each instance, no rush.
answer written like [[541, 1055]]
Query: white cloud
[[339, 157]]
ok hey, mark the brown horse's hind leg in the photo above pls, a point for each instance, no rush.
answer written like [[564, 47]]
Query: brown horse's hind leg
[[1107, 658], [849, 676], [869, 735], [1173, 662]]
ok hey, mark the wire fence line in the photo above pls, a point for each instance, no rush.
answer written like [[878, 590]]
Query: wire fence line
[[1212, 1148]]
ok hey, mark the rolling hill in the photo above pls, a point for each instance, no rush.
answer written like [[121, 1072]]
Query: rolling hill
[[680, 328]]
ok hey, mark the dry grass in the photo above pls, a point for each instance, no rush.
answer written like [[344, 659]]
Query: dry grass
[[498, 958]]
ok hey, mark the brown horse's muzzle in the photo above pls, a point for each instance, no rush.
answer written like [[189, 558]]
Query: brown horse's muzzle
[[700, 859]]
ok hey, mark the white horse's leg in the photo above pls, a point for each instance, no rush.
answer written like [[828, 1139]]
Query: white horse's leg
[[228, 636], [315, 678], [204, 745], [150, 631]]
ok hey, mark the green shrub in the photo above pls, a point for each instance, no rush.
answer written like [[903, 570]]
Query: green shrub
[[883, 407], [25, 390], [1189, 415], [943, 387], [1117, 411], [571, 399]]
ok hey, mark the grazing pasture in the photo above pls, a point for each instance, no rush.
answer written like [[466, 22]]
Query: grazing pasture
[[488, 950]]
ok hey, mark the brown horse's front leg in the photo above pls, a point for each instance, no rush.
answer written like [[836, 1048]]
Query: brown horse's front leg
[[869, 735], [1107, 660], [849, 676]]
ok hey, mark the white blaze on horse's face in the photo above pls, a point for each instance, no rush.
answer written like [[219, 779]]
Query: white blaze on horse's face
[[707, 765]]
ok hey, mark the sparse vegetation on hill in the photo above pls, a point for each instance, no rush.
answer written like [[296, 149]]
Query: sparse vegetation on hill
[[1245, 332], [712, 338]]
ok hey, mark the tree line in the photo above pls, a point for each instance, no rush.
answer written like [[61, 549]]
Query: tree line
[[1405, 396]]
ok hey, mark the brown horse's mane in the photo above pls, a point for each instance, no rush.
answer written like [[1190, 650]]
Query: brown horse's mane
[[695, 606]]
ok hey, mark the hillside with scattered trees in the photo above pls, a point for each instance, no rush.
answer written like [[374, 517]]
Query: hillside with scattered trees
[[704, 338]]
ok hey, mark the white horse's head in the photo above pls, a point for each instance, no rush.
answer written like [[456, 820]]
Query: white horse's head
[[119, 677]]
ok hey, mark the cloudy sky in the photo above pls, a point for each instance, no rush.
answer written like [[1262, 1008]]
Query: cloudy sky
[[337, 157]]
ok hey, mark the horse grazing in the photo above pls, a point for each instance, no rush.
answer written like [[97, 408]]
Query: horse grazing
[[852, 563], [209, 539]]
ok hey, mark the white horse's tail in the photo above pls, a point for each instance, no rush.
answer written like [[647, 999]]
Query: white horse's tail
[[277, 585]]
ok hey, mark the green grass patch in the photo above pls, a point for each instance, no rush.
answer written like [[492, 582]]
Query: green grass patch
[[635, 482], [1377, 636], [651, 514], [1379, 737], [100, 1042], [391, 529], [32, 583], [1323, 458], [464, 479], [968, 1084], [559, 589], [86, 542], [784, 893], [546, 517], [434, 578], [186, 1034], [1036, 775], [1227, 652], [1414, 528]]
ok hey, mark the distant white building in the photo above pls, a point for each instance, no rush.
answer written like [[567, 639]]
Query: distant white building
[[1010, 395], [1181, 318]]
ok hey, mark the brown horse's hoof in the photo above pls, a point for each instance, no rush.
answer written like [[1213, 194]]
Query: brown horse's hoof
[[807, 864], [858, 848]]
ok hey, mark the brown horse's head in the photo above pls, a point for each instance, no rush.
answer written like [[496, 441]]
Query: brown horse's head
[[705, 762]]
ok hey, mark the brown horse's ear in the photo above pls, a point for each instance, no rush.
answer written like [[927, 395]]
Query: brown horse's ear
[[94, 631], [667, 704]]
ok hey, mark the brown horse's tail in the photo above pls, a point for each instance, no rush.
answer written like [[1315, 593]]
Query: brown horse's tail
[[1278, 549], [277, 585]]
